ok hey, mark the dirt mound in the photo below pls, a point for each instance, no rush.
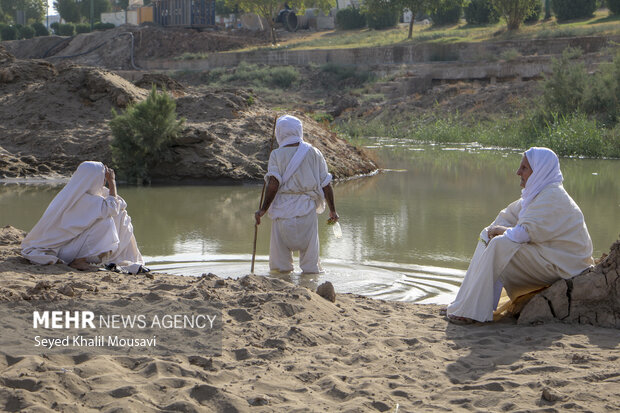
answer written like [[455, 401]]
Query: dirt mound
[[10, 235], [52, 122], [13, 70], [161, 81], [112, 49], [228, 134]]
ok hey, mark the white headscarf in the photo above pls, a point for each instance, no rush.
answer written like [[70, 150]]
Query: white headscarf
[[61, 222], [289, 130], [545, 171]]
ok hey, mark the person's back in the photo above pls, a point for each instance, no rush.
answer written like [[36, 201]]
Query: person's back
[[556, 224], [298, 184]]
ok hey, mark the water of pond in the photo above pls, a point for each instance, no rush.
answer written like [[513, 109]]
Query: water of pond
[[408, 232]]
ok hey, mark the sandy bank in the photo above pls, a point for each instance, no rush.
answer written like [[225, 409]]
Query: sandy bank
[[286, 349]]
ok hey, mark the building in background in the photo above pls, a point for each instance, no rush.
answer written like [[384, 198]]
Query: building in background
[[184, 13]]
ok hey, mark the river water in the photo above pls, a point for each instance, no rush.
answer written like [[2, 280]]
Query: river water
[[408, 232]]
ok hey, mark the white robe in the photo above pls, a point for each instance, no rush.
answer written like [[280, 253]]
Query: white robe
[[83, 221], [559, 247], [294, 209]]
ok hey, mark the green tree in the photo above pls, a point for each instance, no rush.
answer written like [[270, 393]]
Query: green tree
[[35, 10], [515, 11], [381, 14], [100, 6], [68, 10], [415, 7], [142, 134], [268, 9]]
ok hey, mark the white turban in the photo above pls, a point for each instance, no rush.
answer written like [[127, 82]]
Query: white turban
[[545, 171], [289, 130]]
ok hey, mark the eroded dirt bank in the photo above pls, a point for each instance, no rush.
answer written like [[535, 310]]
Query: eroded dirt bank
[[55, 116]]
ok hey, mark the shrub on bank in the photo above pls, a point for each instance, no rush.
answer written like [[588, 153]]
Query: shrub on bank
[[141, 135], [349, 74], [55, 27], [8, 32], [40, 29], [573, 9], [613, 6], [103, 26], [281, 77], [350, 18], [82, 28], [26, 32], [480, 12], [446, 12], [66, 29]]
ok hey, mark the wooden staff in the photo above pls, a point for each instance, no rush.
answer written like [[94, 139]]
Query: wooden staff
[[262, 194]]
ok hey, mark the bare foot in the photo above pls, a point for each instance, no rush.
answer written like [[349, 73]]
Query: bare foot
[[455, 319], [80, 264]]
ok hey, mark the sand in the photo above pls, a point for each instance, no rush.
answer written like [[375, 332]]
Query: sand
[[286, 349]]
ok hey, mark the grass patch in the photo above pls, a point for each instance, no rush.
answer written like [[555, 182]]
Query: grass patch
[[281, 77], [574, 135], [192, 56], [600, 24]]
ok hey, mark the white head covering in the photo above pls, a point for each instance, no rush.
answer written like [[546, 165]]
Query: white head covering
[[61, 222], [545, 171], [289, 130]]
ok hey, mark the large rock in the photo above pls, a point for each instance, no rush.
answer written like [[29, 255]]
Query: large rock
[[590, 298]]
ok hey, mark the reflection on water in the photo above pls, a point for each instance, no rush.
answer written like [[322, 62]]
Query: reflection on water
[[408, 233]]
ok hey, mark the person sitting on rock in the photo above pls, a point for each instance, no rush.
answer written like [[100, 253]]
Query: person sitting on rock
[[537, 240], [86, 223], [298, 184]]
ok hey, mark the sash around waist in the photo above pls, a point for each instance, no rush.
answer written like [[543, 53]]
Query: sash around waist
[[295, 193]]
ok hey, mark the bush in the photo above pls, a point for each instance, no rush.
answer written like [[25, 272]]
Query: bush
[[480, 12], [55, 27], [446, 12], [67, 29], [613, 6], [103, 26], [141, 135], [281, 77], [8, 32], [26, 32], [382, 18], [348, 74], [602, 95], [573, 9], [564, 88], [350, 18], [535, 12], [82, 28], [40, 29]]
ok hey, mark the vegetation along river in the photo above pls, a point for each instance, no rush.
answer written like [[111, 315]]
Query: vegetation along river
[[408, 232]]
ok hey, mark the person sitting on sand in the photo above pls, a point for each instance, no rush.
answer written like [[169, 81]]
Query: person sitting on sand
[[297, 186], [538, 239], [86, 223]]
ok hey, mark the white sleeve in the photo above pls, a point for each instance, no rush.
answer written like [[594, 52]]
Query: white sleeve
[[324, 176], [272, 169], [518, 234], [111, 207]]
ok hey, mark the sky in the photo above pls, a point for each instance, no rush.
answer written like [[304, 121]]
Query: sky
[[51, 10]]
